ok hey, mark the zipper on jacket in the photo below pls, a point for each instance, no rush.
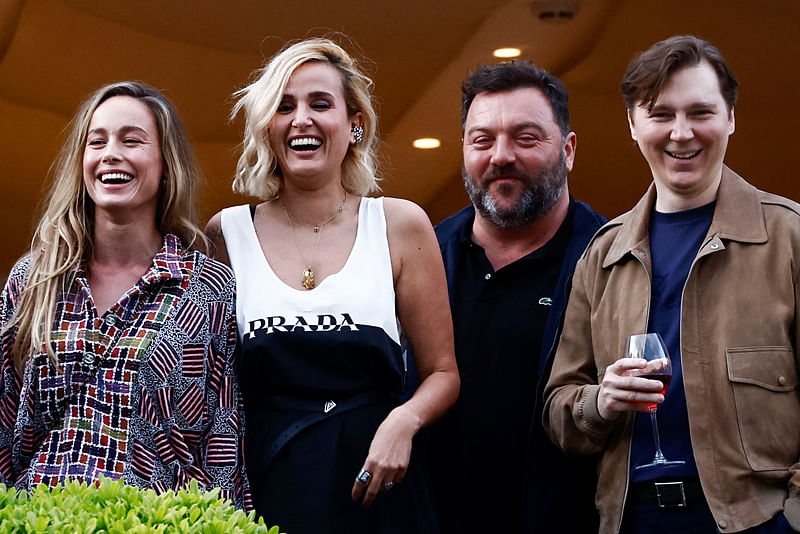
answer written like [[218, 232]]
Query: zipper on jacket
[[680, 332], [637, 255], [680, 341]]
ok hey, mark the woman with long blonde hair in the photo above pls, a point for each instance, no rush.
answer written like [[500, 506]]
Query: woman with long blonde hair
[[118, 334], [333, 288]]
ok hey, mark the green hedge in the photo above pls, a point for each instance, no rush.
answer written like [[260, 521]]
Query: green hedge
[[114, 508]]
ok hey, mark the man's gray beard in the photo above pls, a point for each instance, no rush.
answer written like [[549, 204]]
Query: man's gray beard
[[537, 199]]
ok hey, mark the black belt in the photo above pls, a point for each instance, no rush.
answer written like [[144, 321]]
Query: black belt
[[318, 410], [667, 493]]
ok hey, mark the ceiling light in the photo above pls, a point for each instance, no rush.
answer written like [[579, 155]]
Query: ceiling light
[[506, 53], [555, 10], [426, 142]]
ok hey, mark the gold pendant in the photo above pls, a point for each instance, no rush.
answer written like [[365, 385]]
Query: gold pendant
[[308, 278]]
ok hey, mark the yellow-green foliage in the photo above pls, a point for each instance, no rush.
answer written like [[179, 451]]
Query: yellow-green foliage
[[115, 508]]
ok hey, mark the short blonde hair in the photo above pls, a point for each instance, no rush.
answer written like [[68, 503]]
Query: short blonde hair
[[258, 173]]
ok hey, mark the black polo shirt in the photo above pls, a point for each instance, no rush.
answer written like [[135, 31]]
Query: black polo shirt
[[499, 319]]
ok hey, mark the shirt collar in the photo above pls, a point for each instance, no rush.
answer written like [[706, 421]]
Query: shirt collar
[[555, 248], [168, 264], [738, 216], [465, 231]]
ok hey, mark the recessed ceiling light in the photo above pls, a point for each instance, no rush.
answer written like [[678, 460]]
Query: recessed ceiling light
[[427, 142], [506, 53]]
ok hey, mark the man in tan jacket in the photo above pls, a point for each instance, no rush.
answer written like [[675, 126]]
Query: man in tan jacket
[[713, 265]]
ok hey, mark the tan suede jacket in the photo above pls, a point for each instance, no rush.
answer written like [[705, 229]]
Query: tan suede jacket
[[739, 339]]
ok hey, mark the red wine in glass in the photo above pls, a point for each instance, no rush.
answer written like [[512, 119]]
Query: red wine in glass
[[651, 347], [664, 379]]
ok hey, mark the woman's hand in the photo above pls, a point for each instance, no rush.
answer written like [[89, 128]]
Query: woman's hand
[[423, 308], [388, 457]]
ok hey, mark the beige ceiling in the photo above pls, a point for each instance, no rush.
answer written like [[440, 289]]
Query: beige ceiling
[[55, 52]]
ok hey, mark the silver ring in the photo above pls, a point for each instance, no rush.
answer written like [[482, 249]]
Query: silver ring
[[363, 476], [389, 485]]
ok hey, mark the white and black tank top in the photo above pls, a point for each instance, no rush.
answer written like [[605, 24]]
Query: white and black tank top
[[337, 340]]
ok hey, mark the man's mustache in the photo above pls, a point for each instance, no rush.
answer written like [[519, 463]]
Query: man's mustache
[[506, 172]]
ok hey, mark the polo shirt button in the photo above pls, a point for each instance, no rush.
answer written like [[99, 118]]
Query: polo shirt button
[[722, 524], [714, 246], [782, 380], [488, 276], [110, 320], [642, 253]]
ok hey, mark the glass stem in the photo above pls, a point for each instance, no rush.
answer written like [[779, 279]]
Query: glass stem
[[659, 458]]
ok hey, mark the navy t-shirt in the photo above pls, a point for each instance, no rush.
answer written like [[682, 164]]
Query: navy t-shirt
[[675, 239]]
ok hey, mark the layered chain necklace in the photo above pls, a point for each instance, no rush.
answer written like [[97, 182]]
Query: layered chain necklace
[[308, 272]]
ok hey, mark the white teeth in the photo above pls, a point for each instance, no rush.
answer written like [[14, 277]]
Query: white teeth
[[688, 155], [115, 178], [304, 141]]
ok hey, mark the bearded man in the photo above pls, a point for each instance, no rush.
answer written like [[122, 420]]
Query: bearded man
[[509, 259]]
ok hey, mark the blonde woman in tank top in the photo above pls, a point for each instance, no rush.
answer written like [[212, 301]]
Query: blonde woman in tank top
[[333, 288]]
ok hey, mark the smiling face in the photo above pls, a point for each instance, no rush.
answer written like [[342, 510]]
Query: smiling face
[[515, 158], [311, 131], [122, 163], [684, 138]]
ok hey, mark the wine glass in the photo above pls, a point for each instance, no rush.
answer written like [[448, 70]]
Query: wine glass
[[659, 367]]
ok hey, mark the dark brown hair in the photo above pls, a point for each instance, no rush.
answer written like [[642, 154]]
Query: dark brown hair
[[649, 71], [515, 75]]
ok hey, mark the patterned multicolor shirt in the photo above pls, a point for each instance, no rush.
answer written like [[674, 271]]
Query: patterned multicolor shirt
[[146, 392]]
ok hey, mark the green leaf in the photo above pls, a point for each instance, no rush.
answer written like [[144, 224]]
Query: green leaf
[[112, 507]]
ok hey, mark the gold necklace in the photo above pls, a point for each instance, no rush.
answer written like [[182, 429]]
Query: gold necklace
[[308, 272]]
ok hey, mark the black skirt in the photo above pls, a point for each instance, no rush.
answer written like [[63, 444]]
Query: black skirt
[[305, 488]]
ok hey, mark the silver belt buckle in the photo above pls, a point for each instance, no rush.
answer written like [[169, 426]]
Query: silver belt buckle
[[670, 494]]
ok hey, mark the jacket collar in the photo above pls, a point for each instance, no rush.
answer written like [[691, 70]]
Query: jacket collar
[[738, 217]]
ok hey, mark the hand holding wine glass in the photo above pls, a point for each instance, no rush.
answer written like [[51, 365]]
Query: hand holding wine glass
[[623, 390], [651, 348], [657, 365]]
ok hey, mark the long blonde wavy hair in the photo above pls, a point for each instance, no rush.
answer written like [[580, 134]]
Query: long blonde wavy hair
[[257, 172], [63, 236]]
